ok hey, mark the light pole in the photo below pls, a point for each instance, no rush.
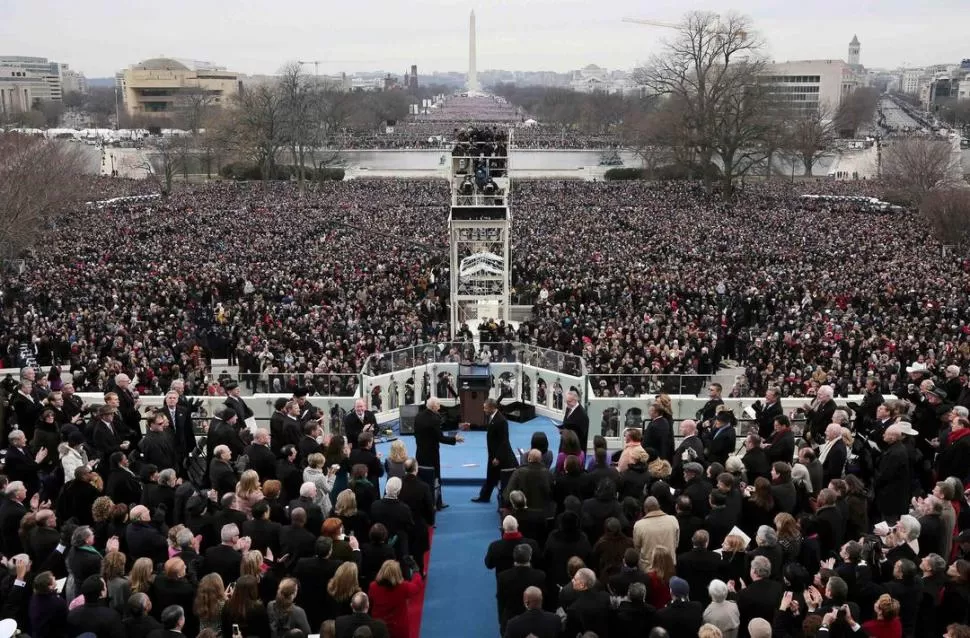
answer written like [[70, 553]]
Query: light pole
[[793, 169]]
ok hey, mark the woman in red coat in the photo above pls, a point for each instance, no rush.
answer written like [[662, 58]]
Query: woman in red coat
[[389, 596], [886, 624]]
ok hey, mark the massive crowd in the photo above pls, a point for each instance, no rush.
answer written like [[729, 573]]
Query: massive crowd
[[296, 289]]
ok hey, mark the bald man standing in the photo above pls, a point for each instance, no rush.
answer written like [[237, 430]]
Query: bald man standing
[[893, 481]]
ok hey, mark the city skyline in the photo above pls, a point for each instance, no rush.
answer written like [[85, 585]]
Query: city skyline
[[514, 35]]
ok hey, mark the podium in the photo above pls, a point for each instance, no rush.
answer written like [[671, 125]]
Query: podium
[[474, 383]]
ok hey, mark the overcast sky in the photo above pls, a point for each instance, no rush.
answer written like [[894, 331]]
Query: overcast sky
[[99, 37]]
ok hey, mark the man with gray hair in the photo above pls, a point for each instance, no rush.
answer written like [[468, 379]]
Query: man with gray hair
[[576, 419], [512, 583], [766, 540], [143, 538], [500, 552], [20, 464], [763, 594], [534, 621], [128, 405], [591, 609], [12, 510], [929, 513], [394, 515], [892, 483], [224, 559], [428, 438]]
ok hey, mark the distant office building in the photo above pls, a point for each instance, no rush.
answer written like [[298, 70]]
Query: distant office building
[[19, 89], [73, 81], [808, 85], [154, 87], [49, 74], [595, 79], [413, 82]]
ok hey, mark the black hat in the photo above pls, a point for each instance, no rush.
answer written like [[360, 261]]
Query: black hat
[[227, 414], [230, 384], [75, 438], [300, 391], [938, 392]]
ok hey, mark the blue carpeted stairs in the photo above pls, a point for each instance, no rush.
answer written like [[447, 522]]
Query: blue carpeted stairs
[[460, 596]]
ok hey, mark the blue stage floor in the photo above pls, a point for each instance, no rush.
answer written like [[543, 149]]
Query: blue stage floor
[[464, 464]]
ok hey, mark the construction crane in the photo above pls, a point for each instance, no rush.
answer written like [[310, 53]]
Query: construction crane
[[652, 23], [315, 63], [671, 25]]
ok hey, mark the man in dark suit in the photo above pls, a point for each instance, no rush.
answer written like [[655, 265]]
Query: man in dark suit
[[20, 464], [158, 447], [697, 488], [723, 440], [263, 532], [690, 450], [295, 539], [224, 430], [590, 611], [307, 502], [179, 423], [865, 414], [534, 621], [128, 406], [630, 572], [224, 559], [12, 510], [276, 422], [394, 515], [416, 494], [107, 440], [289, 474], [365, 455], [360, 420], [427, 439], [782, 446], [234, 400], [833, 454], [308, 442], [755, 459], [347, 625], [699, 567], [576, 419], [500, 455], [707, 413], [761, 597], [512, 583], [498, 556], [26, 407], [314, 572], [261, 457], [94, 617], [767, 412], [720, 520]]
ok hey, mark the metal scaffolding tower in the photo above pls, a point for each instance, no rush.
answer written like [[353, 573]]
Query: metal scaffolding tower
[[479, 226]]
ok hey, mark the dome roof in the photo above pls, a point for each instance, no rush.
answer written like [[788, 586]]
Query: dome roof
[[161, 64]]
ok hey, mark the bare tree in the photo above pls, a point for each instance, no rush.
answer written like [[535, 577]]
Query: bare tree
[[810, 136], [948, 212], [165, 158], [917, 165], [259, 126], [195, 105], [39, 179], [856, 110], [711, 67]]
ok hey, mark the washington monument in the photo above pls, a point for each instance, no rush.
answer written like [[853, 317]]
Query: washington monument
[[472, 62]]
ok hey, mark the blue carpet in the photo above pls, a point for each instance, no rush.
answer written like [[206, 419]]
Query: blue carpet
[[464, 464], [459, 599]]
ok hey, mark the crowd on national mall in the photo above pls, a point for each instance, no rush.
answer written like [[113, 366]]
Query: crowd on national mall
[[843, 517]]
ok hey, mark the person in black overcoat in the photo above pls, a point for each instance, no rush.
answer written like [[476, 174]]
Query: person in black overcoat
[[122, 484], [658, 434], [723, 440], [417, 495], [577, 420], [428, 437], [500, 455], [767, 412], [893, 480], [359, 420], [180, 426]]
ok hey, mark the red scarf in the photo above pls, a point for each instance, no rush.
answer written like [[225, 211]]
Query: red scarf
[[512, 536], [956, 435]]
